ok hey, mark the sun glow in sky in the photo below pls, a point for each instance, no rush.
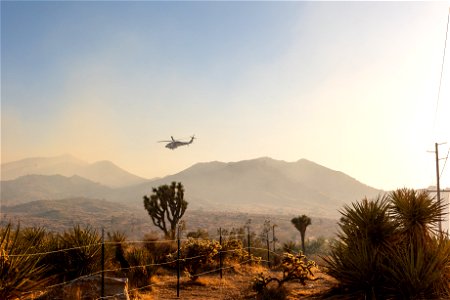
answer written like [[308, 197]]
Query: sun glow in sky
[[350, 85]]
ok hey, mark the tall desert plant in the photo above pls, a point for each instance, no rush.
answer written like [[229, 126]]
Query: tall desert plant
[[419, 273], [356, 258], [416, 214], [419, 260], [301, 223], [20, 273], [78, 253], [389, 248]]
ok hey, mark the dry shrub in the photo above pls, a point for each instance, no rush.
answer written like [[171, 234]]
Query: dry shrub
[[296, 267], [196, 255], [159, 249]]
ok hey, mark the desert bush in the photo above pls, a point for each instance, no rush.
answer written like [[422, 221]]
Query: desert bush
[[20, 273], [197, 254], [388, 248], [199, 234], [316, 246], [141, 268], [116, 247], [313, 246], [267, 291], [136, 263], [77, 253], [233, 251], [159, 249], [291, 247], [296, 267]]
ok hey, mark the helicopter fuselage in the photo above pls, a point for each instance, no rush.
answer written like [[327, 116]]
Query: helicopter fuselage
[[175, 144]]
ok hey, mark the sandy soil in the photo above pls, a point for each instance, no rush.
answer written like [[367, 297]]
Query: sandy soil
[[235, 284]]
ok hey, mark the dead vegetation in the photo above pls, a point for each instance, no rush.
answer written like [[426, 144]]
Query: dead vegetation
[[235, 284]]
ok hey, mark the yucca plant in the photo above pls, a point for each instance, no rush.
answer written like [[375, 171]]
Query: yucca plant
[[141, 268], [20, 273], [416, 215], [390, 249], [79, 253], [117, 247], [419, 260], [356, 259], [419, 273]]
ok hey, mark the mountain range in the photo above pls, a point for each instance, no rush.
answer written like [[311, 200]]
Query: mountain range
[[103, 172], [259, 185]]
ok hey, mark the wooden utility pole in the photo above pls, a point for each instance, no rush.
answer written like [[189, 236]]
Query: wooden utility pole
[[438, 192]]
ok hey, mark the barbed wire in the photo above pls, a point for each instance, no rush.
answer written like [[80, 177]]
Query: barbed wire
[[92, 245], [100, 244], [181, 260], [54, 251], [141, 266]]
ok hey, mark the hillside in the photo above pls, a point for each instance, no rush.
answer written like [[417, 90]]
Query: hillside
[[42, 187], [103, 172], [261, 185], [58, 215]]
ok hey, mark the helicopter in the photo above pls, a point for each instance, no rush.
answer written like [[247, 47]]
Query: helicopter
[[173, 144]]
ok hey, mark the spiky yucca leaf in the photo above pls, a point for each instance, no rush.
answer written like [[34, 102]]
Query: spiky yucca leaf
[[416, 214], [358, 269], [83, 256], [416, 272], [367, 220], [19, 272], [356, 259], [391, 251], [141, 267]]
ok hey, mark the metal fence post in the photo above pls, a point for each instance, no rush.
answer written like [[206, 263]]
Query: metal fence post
[[220, 252], [178, 264]]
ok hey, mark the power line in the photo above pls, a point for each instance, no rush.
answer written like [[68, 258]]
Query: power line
[[442, 67], [445, 162]]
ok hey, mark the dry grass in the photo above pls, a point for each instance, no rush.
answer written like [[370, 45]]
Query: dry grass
[[235, 284]]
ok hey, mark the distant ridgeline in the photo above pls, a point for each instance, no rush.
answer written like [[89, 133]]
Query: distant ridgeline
[[258, 186]]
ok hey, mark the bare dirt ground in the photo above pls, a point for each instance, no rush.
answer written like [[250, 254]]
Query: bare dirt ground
[[234, 285]]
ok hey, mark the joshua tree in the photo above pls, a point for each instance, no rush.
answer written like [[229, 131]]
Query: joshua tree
[[301, 223], [166, 206]]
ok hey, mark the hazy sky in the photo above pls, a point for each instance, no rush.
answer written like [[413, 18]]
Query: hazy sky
[[350, 85]]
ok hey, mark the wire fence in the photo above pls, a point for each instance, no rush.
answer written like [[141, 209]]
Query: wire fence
[[218, 267]]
